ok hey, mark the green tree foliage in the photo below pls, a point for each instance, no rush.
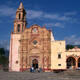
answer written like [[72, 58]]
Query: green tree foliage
[[2, 52], [69, 47], [3, 58]]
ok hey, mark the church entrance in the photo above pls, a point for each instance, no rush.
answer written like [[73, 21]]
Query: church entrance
[[35, 63]]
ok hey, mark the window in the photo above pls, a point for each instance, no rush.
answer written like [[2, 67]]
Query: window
[[59, 64], [59, 56], [18, 28], [19, 16], [34, 42], [23, 16]]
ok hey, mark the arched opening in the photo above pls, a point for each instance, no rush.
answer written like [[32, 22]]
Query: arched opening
[[23, 15], [19, 16], [18, 28], [79, 62], [71, 63], [35, 63]]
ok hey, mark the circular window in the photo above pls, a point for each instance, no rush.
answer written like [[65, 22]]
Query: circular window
[[35, 42]]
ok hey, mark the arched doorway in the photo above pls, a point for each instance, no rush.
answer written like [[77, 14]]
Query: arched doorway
[[79, 62], [35, 63], [71, 62]]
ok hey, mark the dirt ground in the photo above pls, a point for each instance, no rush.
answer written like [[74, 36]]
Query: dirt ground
[[66, 75]]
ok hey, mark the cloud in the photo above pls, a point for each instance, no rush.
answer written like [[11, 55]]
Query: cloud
[[51, 16], [64, 18], [70, 13], [7, 11], [73, 40], [57, 24], [32, 14], [4, 44], [58, 17]]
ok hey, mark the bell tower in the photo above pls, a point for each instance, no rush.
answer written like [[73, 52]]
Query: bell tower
[[20, 20]]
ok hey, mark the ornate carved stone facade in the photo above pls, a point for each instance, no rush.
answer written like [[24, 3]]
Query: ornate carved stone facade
[[35, 44]]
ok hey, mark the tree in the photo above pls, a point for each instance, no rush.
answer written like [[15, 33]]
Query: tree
[[69, 47], [3, 58], [2, 52]]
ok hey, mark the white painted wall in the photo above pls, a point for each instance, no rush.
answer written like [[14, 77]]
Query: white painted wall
[[14, 52], [58, 47]]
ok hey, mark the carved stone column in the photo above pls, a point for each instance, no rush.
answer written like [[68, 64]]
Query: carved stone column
[[76, 63]]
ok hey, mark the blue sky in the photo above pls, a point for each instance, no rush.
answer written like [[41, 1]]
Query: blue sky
[[61, 16]]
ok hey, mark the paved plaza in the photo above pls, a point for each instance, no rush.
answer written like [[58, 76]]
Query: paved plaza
[[66, 75]]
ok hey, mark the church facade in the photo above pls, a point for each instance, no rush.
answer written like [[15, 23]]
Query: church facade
[[36, 47]]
